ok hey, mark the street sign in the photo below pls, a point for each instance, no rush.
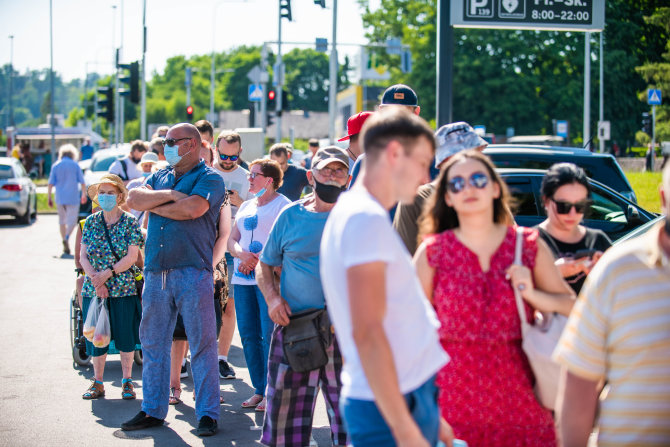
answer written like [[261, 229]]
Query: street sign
[[255, 92], [254, 74], [321, 44], [560, 15], [603, 130], [562, 128], [654, 97]]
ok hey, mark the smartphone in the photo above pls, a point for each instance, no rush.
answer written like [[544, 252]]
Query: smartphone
[[585, 253]]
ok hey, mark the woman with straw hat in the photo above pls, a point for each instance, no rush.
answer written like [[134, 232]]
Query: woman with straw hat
[[111, 241]]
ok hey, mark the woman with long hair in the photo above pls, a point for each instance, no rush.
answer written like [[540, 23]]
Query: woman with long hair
[[465, 264], [576, 249]]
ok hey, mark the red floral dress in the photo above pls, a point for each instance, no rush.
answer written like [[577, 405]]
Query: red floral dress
[[486, 390]]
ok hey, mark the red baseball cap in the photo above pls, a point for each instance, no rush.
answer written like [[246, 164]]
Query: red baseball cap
[[355, 123]]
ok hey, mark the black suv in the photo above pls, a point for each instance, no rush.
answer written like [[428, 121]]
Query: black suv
[[601, 167], [609, 211]]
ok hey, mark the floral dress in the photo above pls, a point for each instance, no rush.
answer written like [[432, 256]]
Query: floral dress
[[124, 233], [486, 390]]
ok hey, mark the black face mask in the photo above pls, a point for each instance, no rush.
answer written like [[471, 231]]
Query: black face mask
[[328, 193]]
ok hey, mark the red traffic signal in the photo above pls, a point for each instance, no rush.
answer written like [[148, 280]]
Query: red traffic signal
[[189, 112], [271, 95]]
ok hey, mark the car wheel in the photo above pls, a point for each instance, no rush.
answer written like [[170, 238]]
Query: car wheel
[[34, 213], [24, 219]]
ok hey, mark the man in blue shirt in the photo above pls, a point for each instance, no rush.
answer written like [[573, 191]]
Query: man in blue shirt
[[295, 177], [184, 201], [295, 249], [66, 176], [87, 150]]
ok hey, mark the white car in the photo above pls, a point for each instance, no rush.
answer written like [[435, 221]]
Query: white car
[[18, 196], [98, 166]]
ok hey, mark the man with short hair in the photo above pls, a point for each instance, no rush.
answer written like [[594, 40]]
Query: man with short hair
[[451, 139], [295, 250], [206, 130], [127, 168], [295, 177], [313, 145], [66, 176], [235, 177], [386, 326], [86, 149], [184, 200], [354, 126], [619, 334], [156, 147]]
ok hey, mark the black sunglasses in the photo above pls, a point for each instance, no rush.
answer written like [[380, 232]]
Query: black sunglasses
[[173, 141], [457, 184], [229, 157], [563, 207]]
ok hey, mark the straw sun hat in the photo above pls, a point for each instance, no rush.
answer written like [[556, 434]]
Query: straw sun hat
[[110, 179]]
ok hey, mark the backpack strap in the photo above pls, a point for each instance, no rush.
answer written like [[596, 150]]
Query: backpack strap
[[125, 169]]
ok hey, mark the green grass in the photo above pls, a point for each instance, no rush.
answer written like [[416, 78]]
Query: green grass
[[42, 205], [645, 185], [41, 182]]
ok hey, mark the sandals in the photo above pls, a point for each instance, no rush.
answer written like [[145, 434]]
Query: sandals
[[175, 394], [94, 391], [261, 406], [127, 389], [253, 401]]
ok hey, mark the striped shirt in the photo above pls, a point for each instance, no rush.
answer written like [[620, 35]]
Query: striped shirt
[[619, 331]]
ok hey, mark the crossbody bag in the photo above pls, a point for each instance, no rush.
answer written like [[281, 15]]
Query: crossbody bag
[[136, 272], [306, 339]]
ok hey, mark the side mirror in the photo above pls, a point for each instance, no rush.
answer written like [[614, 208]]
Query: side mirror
[[632, 214]]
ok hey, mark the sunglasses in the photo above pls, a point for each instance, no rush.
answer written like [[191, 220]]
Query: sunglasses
[[229, 157], [457, 184], [253, 175], [563, 207], [173, 141]]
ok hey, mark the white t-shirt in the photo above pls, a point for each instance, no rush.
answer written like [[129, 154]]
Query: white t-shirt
[[132, 168], [254, 224], [237, 180], [358, 232]]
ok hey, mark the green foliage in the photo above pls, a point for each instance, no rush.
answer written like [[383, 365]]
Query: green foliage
[[645, 185], [75, 115]]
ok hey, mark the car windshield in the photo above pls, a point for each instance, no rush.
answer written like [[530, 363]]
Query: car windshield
[[103, 164], [6, 172]]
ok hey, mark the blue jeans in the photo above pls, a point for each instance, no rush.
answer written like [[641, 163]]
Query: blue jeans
[[255, 327], [188, 291], [366, 425]]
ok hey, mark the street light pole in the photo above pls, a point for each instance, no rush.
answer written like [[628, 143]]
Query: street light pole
[[51, 78], [143, 106], [587, 89], [11, 79], [278, 79], [332, 98]]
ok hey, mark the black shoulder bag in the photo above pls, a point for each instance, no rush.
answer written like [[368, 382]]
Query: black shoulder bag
[[306, 339], [137, 273]]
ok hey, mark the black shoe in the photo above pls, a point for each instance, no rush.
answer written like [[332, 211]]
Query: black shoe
[[184, 372], [66, 247], [207, 426], [141, 421], [225, 371]]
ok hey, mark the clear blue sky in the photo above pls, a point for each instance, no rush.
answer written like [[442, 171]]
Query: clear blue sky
[[83, 33]]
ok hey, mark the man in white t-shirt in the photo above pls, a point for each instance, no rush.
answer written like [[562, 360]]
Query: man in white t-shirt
[[127, 168], [385, 325], [236, 179]]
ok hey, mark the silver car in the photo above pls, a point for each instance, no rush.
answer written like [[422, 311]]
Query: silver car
[[18, 195]]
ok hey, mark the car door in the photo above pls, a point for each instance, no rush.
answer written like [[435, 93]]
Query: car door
[[612, 214], [526, 207]]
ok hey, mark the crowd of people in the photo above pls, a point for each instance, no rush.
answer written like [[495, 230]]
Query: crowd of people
[[393, 293]]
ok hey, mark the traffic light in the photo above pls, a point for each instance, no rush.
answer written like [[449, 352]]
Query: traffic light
[[285, 10], [272, 102], [269, 118], [646, 123], [189, 113], [284, 100], [106, 103], [132, 80]]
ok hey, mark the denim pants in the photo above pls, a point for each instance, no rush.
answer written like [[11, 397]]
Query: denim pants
[[255, 328], [366, 425], [188, 291]]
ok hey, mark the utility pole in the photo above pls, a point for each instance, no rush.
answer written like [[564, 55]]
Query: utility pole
[[143, 107], [11, 80], [121, 98], [264, 99], [113, 135], [279, 78], [587, 89], [601, 96], [445, 63], [51, 80], [332, 98]]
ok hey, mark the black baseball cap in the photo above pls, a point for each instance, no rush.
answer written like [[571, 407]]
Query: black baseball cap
[[401, 95]]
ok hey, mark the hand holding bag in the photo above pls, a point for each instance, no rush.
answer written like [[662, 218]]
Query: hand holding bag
[[306, 339], [103, 333], [539, 342], [91, 319]]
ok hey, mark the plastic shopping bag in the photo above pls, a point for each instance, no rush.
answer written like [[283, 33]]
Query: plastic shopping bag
[[91, 319], [103, 333]]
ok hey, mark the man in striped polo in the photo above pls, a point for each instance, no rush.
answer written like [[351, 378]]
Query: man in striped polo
[[619, 335]]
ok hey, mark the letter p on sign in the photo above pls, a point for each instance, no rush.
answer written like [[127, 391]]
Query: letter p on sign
[[474, 4]]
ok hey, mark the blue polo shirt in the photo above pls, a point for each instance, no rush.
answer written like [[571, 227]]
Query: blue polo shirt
[[295, 247], [173, 244], [295, 180], [66, 176]]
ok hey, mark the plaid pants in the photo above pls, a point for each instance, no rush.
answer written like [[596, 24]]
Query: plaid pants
[[291, 397]]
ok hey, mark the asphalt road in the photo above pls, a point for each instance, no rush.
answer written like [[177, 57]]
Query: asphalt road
[[41, 387]]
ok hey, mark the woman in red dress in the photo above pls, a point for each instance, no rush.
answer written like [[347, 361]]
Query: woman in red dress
[[465, 266]]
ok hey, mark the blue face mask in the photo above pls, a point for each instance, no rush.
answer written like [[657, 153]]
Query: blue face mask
[[146, 174], [107, 201], [172, 155], [260, 193]]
